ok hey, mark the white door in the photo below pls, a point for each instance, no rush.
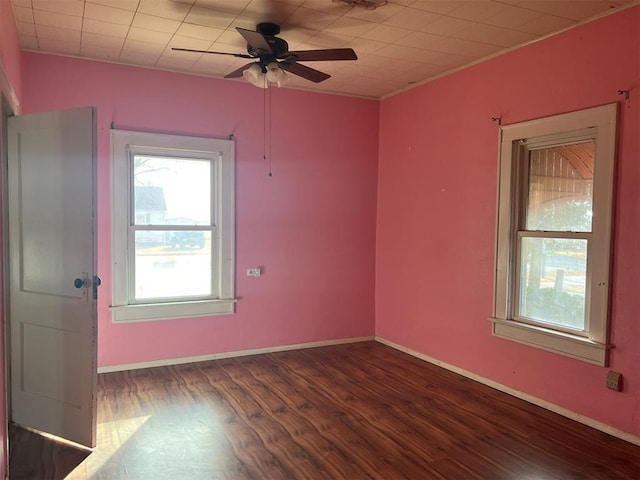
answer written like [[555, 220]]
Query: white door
[[52, 293]]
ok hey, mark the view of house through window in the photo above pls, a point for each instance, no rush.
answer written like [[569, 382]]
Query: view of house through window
[[553, 265], [172, 227]]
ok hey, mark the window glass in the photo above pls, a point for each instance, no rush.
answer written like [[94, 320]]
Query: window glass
[[553, 275], [560, 188], [171, 191], [172, 264]]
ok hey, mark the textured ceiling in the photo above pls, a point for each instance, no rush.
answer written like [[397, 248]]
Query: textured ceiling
[[399, 44]]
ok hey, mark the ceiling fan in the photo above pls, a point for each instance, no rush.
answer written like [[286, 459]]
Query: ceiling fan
[[272, 54]]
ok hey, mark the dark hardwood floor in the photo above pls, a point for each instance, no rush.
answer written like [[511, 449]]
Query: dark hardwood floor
[[358, 411]]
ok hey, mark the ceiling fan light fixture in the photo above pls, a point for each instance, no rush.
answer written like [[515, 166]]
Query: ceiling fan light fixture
[[276, 75], [254, 76]]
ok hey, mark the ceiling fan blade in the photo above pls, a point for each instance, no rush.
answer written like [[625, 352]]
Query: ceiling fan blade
[[238, 72], [255, 39], [240, 55], [324, 55], [303, 71]]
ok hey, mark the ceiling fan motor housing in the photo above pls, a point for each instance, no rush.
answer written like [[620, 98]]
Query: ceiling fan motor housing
[[268, 29], [279, 47]]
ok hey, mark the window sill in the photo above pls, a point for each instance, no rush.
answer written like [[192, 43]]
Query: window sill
[[167, 311], [563, 343]]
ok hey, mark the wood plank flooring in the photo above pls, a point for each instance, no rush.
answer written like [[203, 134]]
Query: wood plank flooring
[[358, 411], [36, 456]]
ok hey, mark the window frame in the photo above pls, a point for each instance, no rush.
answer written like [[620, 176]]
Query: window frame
[[599, 124], [221, 154]]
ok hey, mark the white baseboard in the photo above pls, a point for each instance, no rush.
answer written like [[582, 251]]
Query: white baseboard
[[603, 427], [237, 353]]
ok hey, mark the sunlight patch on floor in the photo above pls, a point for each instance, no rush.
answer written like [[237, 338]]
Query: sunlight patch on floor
[[111, 436]]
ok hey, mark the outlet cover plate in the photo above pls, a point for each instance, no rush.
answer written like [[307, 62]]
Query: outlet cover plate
[[614, 381]]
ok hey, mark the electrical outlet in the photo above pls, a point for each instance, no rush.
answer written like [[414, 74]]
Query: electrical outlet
[[614, 381], [254, 272]]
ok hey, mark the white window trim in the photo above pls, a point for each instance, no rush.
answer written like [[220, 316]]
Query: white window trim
[[592, 347], [122, 142]]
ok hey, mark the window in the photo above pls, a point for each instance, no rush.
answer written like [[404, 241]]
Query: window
[[553, 233], [173, 226]]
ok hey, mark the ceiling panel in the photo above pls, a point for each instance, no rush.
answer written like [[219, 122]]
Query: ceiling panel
[[26, 30], [107, 14], [199, 31], [64, 7], [399, 44], [157, 24], [23, 14], [123, 4], [164, 9], [105, 41], [104, 28]]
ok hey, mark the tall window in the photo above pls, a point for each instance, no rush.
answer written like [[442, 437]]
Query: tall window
[[553, 235], [173, 226]]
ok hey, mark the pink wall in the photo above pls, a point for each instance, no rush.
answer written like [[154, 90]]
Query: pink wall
[[438, 162], [10, 54], [311, 226]]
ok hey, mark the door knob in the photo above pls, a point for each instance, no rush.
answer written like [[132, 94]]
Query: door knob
[[96, 283], [78, 283]]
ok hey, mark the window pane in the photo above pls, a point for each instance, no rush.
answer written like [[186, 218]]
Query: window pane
[[560, 188], [553, 274], [171, 191], [172, 264]]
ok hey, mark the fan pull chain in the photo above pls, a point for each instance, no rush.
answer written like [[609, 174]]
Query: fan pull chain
[[264, 124], [270, 130]]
